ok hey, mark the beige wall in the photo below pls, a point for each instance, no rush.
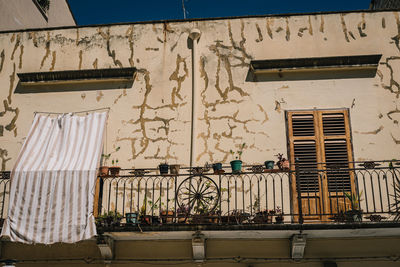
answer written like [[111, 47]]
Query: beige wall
[[151, 119], [23, 14]]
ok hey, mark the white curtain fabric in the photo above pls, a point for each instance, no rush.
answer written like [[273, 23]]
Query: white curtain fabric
[[53, 180]]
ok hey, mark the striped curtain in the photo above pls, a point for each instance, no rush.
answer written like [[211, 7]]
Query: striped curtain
[[53, 180]]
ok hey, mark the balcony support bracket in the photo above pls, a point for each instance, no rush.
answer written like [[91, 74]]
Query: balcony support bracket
[[199, 247], [106, 247], [298, 245]]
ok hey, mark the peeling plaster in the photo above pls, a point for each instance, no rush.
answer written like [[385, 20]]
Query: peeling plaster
[[129, 34], [396, 38], [362, 25], [372, 132], [99, 96], [11, 126], [17, 43], [394, 86], [53, 61], [4, 158], [95, 62], [179, 75], [111, 53], [2, 57], [260, 37], [80, 60], [47, 50], [321, 27], [344, 28]]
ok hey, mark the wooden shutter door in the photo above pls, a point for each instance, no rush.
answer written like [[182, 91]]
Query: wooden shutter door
[[304, 146], [320, 140], [336, 153]]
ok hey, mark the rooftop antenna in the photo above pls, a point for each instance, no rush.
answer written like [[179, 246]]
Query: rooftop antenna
[[184, 10]]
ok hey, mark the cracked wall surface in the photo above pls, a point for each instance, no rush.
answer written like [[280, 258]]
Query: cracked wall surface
[[150, 119]]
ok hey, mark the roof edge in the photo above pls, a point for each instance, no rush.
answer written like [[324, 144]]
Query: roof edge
[[201, 19]]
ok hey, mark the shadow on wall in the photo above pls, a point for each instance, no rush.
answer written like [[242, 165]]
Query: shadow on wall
[[45, 87], [320, 74]]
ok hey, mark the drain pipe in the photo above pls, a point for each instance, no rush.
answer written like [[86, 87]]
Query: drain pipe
[[194, 35]]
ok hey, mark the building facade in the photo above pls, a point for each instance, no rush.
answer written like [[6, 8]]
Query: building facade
[[322, 88]]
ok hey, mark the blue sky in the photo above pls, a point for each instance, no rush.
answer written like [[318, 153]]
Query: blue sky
[[106, 11]]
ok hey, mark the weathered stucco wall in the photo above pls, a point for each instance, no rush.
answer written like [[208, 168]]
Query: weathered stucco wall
[[151, 120]]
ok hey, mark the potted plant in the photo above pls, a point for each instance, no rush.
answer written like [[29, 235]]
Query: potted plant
[[163, 167], [132, 217], [235, 217], [217, 167], [355, 213], [183, 213], [104, 168], [167, 215], [174, 169], [114, 170], [269, 164], [109, 219], [148, 219], [236, 164], [278, 215], [283, 163], [264, 216]]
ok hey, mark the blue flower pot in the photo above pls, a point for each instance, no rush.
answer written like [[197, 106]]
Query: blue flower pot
[[217, 167], [269, 164], [236, 165], [131, 218]]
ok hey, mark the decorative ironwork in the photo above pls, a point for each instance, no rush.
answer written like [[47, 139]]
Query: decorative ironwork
[[199, 194], [370, 164]]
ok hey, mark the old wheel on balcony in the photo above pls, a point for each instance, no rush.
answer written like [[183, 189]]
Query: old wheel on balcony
[[198, 194]]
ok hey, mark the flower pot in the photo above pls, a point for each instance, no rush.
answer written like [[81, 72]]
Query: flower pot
[[269, 164], [114, 171], [217, 167], [236, 165], [279, 219], [167, 216], [353, 216], [174, 169], [163, 168], [103, 170], [131, 218], [263, 217]]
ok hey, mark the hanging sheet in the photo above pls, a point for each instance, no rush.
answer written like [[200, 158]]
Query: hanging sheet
[[53, 180]]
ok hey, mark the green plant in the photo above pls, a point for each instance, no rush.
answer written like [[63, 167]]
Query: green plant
[[111, 218], [106, 157], [354, 199], [396, 195], [114, 162], [238, 152]]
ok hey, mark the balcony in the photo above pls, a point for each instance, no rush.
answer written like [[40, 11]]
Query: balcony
[[331, 197], [142, 200]]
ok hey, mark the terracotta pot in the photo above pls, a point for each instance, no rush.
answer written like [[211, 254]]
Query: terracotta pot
[[174, 169], [103, 170], [114, 171], [167, 216]]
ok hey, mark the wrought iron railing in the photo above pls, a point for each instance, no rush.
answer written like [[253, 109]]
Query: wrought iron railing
[[355, 192], [336, 193]]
